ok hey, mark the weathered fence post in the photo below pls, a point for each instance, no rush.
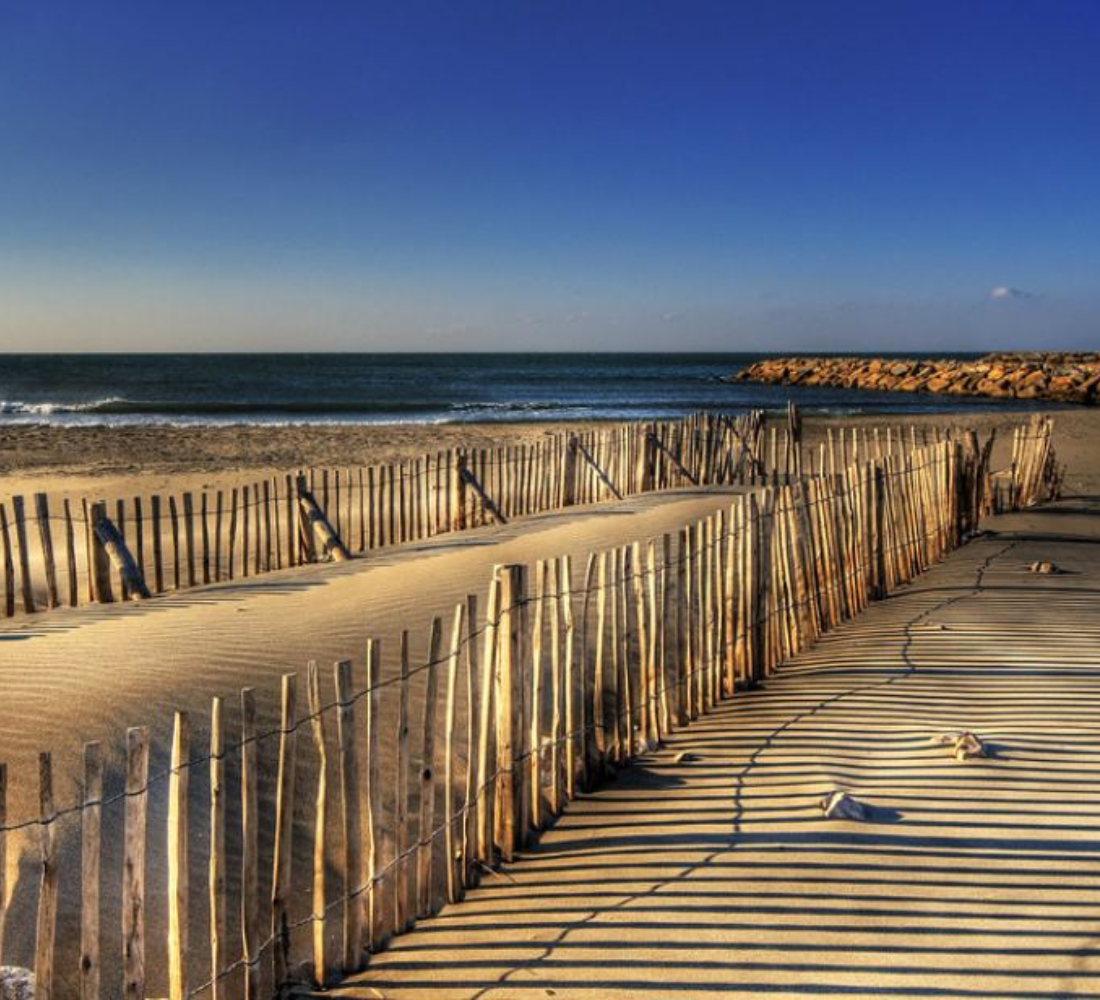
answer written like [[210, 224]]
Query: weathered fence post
[[178, 894], [47, 892], [569, 485], [133, 872], [90, 837], [284, 831], [509, 705], [352, 860]]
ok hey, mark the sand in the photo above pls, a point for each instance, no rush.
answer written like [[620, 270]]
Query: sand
[[122, 461], [719, 874], [74, 675], [71, 676], [113, 461]]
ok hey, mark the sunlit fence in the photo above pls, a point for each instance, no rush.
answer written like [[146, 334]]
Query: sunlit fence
[[394, 780]]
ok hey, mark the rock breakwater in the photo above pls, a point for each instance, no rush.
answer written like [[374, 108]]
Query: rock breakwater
[[1060, 377]]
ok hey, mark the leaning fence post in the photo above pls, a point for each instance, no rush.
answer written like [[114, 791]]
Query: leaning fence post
[[110, 548]]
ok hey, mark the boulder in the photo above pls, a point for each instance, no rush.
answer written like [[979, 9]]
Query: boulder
[[1058, 376]]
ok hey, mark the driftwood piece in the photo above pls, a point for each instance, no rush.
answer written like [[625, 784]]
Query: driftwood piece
[[321, 529], [107, 535]]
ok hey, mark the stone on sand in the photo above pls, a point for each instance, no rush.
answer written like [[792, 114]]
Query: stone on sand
[[841, 805]]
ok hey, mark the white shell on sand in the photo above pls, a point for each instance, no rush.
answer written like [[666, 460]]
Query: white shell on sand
[[968, 745], [964, 744], [841, 805]]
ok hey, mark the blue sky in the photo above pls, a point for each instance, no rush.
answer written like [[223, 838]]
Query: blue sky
[[600, 175]]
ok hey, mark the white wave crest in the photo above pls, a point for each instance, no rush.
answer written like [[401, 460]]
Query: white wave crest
[[14, 407]]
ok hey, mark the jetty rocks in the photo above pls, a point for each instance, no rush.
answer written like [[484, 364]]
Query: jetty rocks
[[1061, 377]]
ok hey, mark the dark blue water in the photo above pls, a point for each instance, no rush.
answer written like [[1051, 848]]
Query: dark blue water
[[402, 388]]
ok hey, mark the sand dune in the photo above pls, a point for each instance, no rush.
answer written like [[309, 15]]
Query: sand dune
[[86, 674]]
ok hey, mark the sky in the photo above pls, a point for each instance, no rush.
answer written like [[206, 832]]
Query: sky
[[599, 175]]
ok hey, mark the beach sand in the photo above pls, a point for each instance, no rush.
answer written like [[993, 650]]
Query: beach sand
[[86, 674], [708, 870], [121, 461], [74, 675]]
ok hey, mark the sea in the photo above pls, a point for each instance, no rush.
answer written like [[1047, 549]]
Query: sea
[[281, 389]]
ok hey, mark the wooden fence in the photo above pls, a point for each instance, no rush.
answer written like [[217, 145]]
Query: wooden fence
[[65, 552], [371, 821], [60, 551], [1034, 474]]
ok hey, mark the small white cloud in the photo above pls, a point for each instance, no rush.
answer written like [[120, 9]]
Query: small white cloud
[[1003, 292]]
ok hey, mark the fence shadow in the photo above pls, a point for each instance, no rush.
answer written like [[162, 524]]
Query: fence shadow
[[718, 874]]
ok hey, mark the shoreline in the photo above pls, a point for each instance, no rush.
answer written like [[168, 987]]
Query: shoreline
[[114, 461]]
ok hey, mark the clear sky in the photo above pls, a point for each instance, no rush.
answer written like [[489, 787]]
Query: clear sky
[[550, 175]]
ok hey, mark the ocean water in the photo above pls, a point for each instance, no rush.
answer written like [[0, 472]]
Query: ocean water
[[77, 389]]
